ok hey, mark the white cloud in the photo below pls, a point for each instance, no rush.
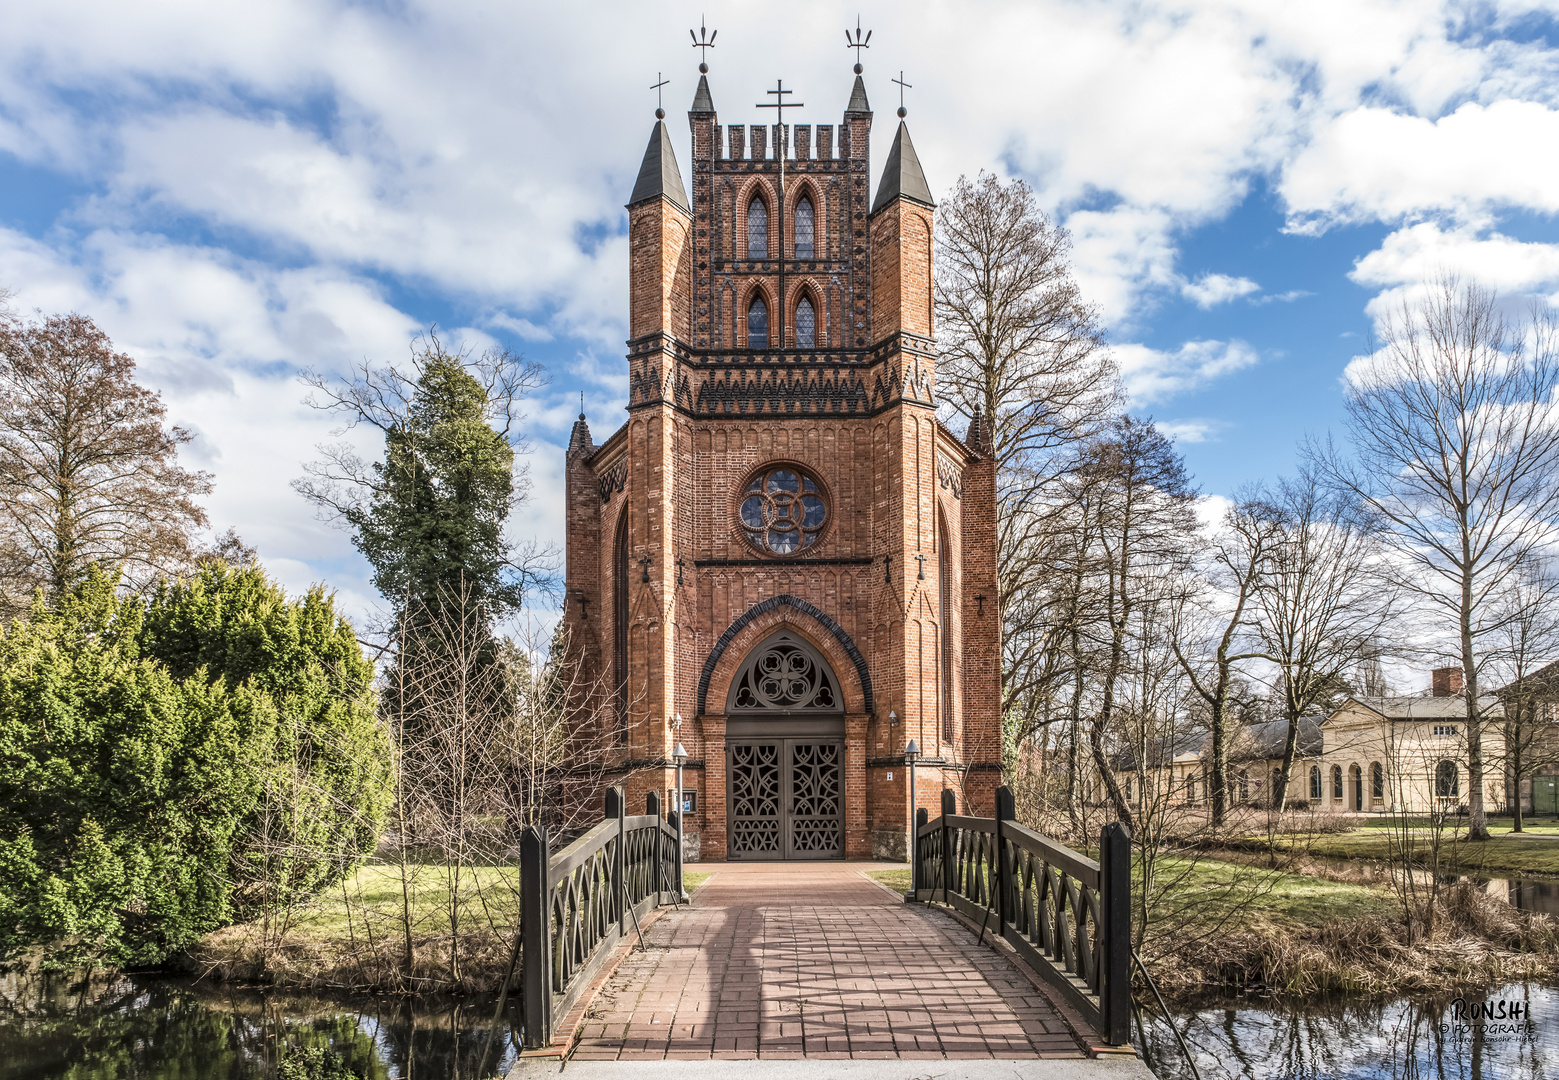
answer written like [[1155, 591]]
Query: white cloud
[[1210, 290], [1190, 431], [1153, 375], [1375, 163]]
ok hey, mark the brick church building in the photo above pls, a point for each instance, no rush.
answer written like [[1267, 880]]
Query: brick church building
[[783, 560]]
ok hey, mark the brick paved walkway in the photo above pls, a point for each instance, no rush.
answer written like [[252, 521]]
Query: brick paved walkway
[[789, 960]]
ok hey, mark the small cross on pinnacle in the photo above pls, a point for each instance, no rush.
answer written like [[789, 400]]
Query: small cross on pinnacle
[[903, 86], [704, 39], [857, 42], [660, 109]]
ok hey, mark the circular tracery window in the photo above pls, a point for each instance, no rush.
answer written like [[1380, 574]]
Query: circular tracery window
[[782, 510]]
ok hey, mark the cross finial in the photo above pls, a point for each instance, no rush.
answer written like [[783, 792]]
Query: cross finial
[[660, 106], [581, 404], [701, 41], [857, 42], [903, 86], [779, 105]]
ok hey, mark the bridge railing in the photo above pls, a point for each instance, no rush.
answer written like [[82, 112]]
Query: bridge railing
[[578, 903], [1066, 915]]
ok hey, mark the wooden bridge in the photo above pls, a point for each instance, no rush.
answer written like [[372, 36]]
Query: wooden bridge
[[1009, 947]]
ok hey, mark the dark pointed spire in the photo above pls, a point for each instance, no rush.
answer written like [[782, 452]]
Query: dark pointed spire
[[902, 177], [579, 440], [858, 103], [975, 439], [659, 174], [702, 102]]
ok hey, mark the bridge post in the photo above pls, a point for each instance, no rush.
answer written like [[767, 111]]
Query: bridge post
[[535, 935], [1005, 811], [921, 817], [652, 808], [1115, 934], [616, 807], [949, 808]]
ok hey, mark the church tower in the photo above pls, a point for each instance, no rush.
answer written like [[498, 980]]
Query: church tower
[[783, 560]]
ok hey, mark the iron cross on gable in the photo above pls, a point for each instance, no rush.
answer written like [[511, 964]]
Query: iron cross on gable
[[779, 105]]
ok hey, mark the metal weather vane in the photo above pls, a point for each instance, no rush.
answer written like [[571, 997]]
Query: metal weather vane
[[701, 41], [857, 42]]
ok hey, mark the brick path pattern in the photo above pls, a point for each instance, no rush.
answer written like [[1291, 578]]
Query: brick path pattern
[[788, 960]]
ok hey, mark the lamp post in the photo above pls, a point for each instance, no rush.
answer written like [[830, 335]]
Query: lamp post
[[679, 755], [911, 752]]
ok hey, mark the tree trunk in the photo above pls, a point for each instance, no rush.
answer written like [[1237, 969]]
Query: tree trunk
[[1477, 822]]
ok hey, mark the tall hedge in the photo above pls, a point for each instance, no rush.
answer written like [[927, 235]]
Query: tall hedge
[[328, 783], [167, 766]]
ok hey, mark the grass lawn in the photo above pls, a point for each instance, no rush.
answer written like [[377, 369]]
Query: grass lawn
[[487, 893], [1503, 853], [1210, 889], [1546, 826]]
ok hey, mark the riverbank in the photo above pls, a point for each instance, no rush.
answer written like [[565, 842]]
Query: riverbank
[[460, 930], [1217, 925]]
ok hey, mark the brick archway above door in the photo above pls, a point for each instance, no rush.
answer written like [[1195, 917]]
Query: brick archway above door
[[822, 632]]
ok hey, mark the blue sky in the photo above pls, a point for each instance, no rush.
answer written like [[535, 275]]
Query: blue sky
[[236, 192]]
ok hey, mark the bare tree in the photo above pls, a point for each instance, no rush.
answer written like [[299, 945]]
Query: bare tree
[[1456, 452], [1019, 348], [88, 469], [1142, 526], [1236, 561], [1522, 656], [1324, 603]]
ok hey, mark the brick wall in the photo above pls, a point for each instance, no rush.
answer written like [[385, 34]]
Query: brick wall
[[908, 501]]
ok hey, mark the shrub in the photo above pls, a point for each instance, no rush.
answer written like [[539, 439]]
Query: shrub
[[168, 766], [327, 785]]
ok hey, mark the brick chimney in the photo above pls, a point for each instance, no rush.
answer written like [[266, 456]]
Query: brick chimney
[[1446, 681]]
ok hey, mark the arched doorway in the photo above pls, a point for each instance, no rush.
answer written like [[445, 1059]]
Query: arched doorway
[[785, 754]]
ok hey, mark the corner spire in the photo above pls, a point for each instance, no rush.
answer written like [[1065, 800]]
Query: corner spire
[[976, 438], [902, 177], [702, 102], [858, 103], [659, 175]]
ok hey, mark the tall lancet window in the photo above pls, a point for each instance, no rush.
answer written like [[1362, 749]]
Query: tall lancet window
[[757, 230], [758, 324], [804, 229], [806, 325]]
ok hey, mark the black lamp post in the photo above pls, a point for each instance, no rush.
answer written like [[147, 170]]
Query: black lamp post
[[679, 755], [911, 752]]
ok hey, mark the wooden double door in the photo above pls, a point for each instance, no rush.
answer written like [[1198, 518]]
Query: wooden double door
[[786, 798]]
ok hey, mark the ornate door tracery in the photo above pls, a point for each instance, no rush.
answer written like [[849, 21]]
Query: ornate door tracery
[[786, 777], [787, 799]]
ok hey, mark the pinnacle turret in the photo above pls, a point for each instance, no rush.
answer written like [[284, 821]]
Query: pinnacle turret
[[858, 102], [659, 175], [702, 102], [902, 177]]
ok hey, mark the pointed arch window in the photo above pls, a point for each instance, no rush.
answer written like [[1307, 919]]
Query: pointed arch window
[[758, 324], [805, 229], [757, 229], [806, 325], [785, 675]]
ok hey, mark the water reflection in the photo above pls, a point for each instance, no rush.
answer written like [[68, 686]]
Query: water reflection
[[1399, 1040], [137, 1028]]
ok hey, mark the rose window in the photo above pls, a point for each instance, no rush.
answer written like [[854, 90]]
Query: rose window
[[783, 510]]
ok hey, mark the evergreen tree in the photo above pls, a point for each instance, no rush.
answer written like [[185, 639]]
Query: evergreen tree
[[429, 517]]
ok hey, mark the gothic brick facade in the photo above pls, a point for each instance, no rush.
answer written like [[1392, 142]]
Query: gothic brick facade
[[670, 591]]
